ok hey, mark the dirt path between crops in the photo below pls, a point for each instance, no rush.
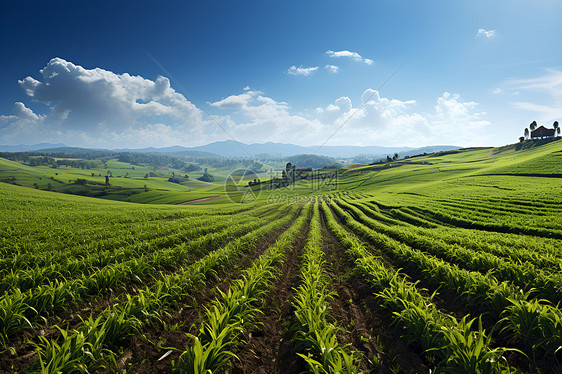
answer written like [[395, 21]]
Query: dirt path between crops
[[142, 355], [269, 348], [368, 327], [449, 302], [191, 202]]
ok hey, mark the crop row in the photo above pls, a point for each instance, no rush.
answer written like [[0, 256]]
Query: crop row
[[312, 329], [20, 309], [536, 324], [160, 233], [488, 224], [518, 247], [67, 266], [234, 310], [525, 275], [28, 232], [90, 345], [448, 344]]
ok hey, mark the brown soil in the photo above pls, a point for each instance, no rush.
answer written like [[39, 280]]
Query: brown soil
[[450, 302], [269, 349], [143, 352], [367, 326], [24, 342]]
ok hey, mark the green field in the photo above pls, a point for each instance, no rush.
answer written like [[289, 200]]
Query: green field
[[443, 263]]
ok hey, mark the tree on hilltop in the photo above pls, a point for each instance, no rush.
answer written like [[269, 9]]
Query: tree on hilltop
[[556, 128], [533, 125], [526, 133]]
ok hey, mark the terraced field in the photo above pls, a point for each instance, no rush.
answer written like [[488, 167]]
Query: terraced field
[[443, 264]]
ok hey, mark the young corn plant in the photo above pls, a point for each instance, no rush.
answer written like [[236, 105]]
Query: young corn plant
[[314, 333], [121, 320], [455, 346], [482, 291], [236, 309]]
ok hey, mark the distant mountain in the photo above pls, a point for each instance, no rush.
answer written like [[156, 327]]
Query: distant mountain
[[34, 147], [175, 150], [230, 148]]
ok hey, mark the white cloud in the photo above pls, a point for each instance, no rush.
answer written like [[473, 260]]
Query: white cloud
[[451, 113], [88, 102], [488, 34], [293, 70], [353, 55], [98, 108], [332, 68], [22, 119], [261, 118], [380, 120], [549, 83], [497, 91]]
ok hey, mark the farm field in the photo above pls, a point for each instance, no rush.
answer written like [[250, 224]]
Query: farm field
[[443, 263]]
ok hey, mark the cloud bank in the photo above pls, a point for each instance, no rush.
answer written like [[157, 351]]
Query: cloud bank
[[99, 108]]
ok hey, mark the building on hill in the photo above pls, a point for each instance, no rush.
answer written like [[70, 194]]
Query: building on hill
[[542, 132]]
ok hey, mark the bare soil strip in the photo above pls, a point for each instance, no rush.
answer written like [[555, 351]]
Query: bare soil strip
[[142, 354], [368, 326], [269, 349], [450, 302], [24, 344]]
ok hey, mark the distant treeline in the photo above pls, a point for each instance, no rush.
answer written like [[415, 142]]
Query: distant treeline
[[151, 159], [154, 160]]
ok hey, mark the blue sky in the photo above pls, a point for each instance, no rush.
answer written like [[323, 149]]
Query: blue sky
[[160, 73]]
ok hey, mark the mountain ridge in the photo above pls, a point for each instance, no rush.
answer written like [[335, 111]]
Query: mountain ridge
[[230, 148]]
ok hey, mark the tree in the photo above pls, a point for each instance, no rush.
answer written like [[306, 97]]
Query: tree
[[556, 128], [521, 139], [526, 133], [558, 131], [533, 125], [395, 157]]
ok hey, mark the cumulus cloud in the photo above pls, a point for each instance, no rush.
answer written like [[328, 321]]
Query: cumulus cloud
[[91, 102], [261, 118], [332, 68], [353, 55], [293, 70], [488, 34], [452, 112], [99, 108], [22, 119], [381, 120]]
